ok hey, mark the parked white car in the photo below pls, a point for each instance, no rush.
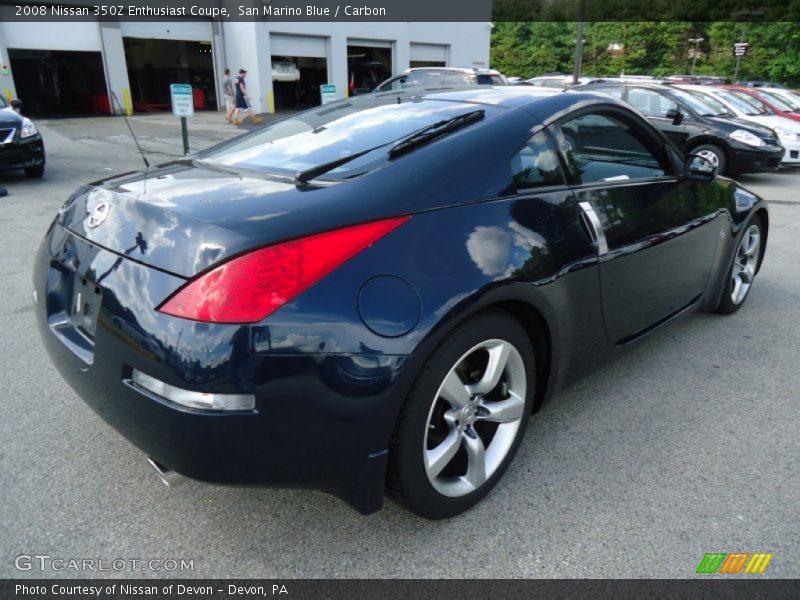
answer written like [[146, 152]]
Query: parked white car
[[729, 101], [285, 70]]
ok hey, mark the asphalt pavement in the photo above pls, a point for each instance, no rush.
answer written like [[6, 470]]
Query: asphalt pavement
[[687, 445]]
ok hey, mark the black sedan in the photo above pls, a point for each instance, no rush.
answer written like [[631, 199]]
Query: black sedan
[[21, 145], [374, 295], [734, 146]]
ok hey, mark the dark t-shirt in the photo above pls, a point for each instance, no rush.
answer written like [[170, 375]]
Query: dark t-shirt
[[239, 82]]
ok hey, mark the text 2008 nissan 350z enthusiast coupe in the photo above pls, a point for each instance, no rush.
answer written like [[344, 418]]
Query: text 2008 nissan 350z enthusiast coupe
[[374, 295]]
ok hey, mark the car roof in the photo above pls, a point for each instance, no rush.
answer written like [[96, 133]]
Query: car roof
[[539, 101], [501, 96], [471, 70]]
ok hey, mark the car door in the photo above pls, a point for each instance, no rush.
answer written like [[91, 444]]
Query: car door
[[655, 106], [655, 239]]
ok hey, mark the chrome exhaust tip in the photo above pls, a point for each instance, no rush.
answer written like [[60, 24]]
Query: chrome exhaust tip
[[167, 476]]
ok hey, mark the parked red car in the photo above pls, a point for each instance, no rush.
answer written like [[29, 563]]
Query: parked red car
[[763, 101]]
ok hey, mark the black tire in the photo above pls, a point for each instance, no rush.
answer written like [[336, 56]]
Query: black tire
[[35, 172], [728, 305], [408, 482], [722, 159]]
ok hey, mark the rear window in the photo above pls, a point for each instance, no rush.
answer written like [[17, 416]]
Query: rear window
[[436, 79], [332, 132]]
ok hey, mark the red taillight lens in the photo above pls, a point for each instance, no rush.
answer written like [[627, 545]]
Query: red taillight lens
[[250, 287]]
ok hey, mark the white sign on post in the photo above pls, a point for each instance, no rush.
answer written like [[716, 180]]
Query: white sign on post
[[182, 99]]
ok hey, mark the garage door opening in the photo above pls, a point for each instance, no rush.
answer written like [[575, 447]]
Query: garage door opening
[[59, 83], [155, 64], [367, 66], [296, 81]]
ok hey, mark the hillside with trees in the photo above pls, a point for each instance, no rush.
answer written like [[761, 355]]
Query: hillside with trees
[[528, 49]]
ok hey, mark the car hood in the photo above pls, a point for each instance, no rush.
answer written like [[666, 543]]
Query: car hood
[[755, 126], [775, 121]]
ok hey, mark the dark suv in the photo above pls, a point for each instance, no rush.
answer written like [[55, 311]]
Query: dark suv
[[735, 146]]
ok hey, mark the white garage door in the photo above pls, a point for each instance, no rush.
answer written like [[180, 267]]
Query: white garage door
[[188, 31], [297, 45], [75, 35], [429, 52]]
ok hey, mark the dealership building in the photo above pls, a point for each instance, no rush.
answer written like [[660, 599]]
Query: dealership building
[[92, 67]]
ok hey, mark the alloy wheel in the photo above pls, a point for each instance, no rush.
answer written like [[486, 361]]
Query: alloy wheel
[[474, 418], [745, 263], [710, 156]]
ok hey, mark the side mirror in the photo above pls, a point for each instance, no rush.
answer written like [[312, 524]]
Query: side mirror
[[676, 115], [17, 105], [699, 168]]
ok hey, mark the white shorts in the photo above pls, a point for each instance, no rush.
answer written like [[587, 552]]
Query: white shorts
[[230, 102]]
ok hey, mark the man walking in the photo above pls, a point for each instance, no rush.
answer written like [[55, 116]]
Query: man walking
[[242, 99], [230, 99]]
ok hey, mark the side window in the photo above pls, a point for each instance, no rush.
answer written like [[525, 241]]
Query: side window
[[536, 165], [601, 147], [650, 103], [615, 91]]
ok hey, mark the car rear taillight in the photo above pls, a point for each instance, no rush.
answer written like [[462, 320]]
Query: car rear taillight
[[248, 288]]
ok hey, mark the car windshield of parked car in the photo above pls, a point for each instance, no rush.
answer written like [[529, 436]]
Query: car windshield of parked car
[[330, 133], [697, 104], [716, 108], [778, 102], [739, 104], [747, 103], [786, 98]]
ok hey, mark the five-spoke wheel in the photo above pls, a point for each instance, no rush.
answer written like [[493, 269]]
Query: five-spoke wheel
[[474, 417], [464, 418], [744, 267]]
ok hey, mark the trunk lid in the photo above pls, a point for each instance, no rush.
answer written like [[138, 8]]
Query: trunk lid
[[183, 219]]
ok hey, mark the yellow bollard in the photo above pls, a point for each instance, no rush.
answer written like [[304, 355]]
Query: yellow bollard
[[126, 98]]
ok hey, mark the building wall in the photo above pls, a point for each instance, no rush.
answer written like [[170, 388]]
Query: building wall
[[468, 46], [244, 44]]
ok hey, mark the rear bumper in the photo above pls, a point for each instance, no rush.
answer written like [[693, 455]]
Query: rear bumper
[[321, 420], [748, 159], [28, 152]]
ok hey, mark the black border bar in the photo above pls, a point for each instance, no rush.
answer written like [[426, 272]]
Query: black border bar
[[728, 588], [400, 10]]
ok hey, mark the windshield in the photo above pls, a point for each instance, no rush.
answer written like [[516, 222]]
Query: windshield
[[780, 102], [330, 133], [741, 106], [717, 108], [696, 103], [752, 101]]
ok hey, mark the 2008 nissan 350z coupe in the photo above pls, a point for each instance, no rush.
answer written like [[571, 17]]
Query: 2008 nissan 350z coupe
[[373, 296]]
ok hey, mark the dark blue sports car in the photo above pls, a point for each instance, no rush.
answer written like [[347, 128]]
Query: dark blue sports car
[[373, 296]]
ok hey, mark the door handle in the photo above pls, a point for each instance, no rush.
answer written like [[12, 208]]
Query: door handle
[[592, 223]]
